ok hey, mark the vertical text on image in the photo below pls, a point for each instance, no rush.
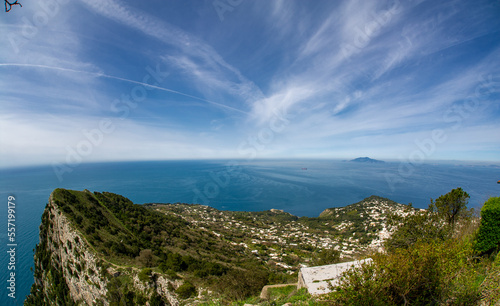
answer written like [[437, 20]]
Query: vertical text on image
[[11, 246]]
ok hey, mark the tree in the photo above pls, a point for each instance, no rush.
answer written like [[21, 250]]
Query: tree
[[488, 237], [175, 262], [239, 284], [423, 226], [145, 275], [146, 258], [451, 206], [157, 300]]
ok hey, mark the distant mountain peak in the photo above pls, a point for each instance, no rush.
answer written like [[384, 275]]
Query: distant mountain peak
[[366, 160]]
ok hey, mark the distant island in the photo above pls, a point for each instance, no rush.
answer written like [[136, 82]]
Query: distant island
[[366, 160]]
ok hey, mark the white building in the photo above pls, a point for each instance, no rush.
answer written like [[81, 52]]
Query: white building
[[316, 279]]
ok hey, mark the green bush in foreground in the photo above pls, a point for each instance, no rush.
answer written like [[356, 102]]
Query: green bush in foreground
[[186, 290], [431, 262], [426, 273], [488, 237]]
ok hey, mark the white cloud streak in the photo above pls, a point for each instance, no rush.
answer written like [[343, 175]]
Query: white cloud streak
[[189, 45], [102, 75]]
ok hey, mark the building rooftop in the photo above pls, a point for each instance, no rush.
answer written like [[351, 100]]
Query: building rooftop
[[316, 279]]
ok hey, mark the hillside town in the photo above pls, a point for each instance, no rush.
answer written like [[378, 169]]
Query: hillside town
[[290, 242]]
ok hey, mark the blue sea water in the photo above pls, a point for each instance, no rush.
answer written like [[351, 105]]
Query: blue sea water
[[301, 187]]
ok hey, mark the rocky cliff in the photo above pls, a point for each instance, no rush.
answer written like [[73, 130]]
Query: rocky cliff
[[102, 249], [69, 271]]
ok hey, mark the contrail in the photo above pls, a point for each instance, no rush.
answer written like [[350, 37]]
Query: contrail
[[97, 74]]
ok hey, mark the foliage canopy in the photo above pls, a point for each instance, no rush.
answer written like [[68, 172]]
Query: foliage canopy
[[488, 237], [451, 206]]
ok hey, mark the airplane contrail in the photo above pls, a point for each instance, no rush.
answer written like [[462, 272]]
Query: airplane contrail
[[98, 74]]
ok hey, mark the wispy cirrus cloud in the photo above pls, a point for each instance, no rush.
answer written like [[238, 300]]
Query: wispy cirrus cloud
[[203, 62], [384, 85], [347, 76]]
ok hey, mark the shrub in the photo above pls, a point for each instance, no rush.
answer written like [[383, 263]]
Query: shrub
[[145, 275], [172, 275], [157, 300], [175, 262], [488, 237], [423, 226], [425, 273], [489, 287], [186, 290], [240, 284], [328, 256]]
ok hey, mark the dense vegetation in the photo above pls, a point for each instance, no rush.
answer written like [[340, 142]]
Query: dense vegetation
[[430, 260], [488, 240], [132, 235], [440, 256]]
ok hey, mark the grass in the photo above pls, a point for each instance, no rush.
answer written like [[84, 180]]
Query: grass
[[281, 292]]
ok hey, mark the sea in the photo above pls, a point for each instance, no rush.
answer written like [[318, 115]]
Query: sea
[[300, 187]]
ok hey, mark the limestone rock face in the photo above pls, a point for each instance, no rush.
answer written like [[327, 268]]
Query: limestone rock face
[[161, 286], [72, 255], [64, 255]]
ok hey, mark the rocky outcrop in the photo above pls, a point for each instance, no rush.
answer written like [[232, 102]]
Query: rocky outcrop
[[68, 270], [80, 266]]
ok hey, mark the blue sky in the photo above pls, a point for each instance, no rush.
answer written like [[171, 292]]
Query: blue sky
[[94, 80]]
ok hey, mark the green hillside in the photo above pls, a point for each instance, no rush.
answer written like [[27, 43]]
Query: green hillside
[[100, 248]]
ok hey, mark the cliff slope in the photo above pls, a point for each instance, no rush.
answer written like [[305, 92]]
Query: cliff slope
[[70, 271], [101, 249]]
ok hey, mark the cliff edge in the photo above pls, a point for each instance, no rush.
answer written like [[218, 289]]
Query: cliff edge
[[68, 270]]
